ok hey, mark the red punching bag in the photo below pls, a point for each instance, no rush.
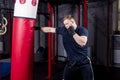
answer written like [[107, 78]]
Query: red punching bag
[[23, 39]]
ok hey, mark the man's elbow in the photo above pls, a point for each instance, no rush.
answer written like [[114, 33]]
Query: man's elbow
[[82, 44]]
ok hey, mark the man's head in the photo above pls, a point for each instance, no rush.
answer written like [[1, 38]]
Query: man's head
[[69, 21]]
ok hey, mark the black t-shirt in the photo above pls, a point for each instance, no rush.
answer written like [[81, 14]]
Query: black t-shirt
[[74, 51]]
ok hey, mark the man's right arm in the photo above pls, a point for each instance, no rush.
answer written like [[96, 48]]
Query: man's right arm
[[48, 29]]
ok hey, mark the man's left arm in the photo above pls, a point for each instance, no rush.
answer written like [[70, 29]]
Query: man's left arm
[[81, 40]]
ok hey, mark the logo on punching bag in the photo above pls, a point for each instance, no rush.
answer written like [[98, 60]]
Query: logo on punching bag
[[25, 8], [34, 2], [22, 1]]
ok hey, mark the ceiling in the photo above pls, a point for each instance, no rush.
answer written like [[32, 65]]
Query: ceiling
[[68, 1]]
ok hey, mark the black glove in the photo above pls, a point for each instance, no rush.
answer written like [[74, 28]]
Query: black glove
[[71, 30]]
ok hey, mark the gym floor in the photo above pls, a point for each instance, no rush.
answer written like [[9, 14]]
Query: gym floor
[[100, 72]]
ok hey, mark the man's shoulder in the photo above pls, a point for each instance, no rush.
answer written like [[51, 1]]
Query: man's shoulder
[[82, 27], [60, 27]]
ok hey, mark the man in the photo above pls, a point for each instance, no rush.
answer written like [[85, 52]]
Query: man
[[75, 43]]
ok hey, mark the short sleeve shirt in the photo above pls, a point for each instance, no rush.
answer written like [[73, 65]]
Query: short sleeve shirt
[[75, 52]]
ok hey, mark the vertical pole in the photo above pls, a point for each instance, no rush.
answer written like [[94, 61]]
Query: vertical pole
[[9, 31], [56, 24], [78, 14], [53, 36], [49, 44], [108, 33], [85, 14], [23, 39]]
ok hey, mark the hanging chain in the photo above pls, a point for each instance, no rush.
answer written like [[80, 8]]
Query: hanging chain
[[3, 24]]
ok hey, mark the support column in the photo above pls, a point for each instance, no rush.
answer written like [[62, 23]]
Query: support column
[[108, 35], [85, 16], [78, 14], [50, 44]]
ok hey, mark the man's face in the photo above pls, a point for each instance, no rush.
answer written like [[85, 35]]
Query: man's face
[[67, 23]]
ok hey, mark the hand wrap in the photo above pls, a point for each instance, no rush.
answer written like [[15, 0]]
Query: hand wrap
[[71, 30]]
